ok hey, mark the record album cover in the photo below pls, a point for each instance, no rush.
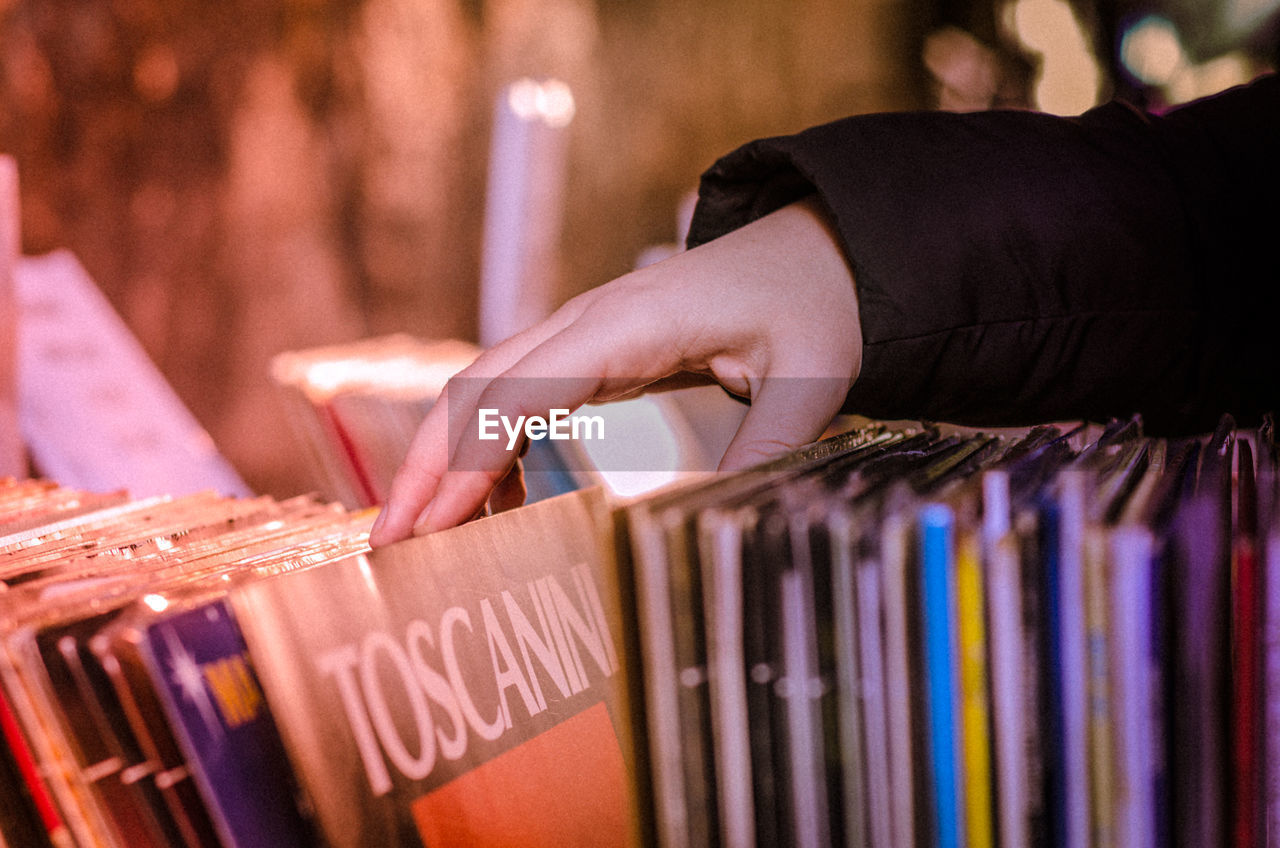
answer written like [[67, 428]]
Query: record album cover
[[463, 688]]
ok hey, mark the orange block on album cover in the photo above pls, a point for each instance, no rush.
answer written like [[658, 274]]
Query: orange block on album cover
[[565, 787]]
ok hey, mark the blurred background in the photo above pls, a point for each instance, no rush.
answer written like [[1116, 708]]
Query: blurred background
[[245, 177]]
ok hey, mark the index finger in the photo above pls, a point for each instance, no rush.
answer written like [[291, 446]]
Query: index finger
[[427, 460], [603, 355]]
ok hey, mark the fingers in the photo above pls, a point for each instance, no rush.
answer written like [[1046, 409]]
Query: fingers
[[417, 478], [510, 491], [787, 413], [427, 460], [721, 308], [477, 465]]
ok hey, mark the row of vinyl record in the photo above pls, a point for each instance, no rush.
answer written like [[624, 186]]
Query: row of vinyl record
[[243, 672], [915, 639], [894, 637], [118, 645]]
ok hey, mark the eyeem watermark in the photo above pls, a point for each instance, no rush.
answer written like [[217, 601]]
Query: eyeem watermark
[[559, 425], [659, 435]]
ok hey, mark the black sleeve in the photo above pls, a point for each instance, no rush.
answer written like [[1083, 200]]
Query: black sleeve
[[1015, 267]]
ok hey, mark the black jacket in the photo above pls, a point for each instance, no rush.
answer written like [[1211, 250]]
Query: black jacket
[[1014, 267]]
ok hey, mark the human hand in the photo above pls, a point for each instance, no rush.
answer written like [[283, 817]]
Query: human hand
[[768, 310]]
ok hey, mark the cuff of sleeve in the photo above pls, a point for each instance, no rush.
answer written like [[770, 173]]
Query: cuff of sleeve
[[1010, 267]]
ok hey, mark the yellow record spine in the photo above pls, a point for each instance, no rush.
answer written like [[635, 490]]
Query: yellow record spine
[[975, 702]]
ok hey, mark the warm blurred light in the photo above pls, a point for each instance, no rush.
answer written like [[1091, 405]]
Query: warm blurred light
[[395, 373], [158, 603], [1241, 17], [1151, 50], [155, 74], [1210, 78], [1069, 74], [550, 101], [397, 365]]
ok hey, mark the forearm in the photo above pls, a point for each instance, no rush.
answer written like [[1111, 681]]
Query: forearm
[[1016, 267]]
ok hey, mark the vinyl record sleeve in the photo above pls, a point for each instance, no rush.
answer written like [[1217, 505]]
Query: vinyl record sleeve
[[1201, 662], [1053, 742], [1136, 741], [764, 592], [974, 679], [901, 675], [858, 682], [1034, 692], [1271, 648], [36, 703], [720, 545], [108, 756], [941, 670], [20, 819], [118, 650], [649, 524], [684, 575], [1004, 612], [810, 694], [1246, 672], [1073, 646], [432, 687], [200, 670]]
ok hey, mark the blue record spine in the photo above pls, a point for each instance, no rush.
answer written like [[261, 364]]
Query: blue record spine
[[200, 668], [937, 524]]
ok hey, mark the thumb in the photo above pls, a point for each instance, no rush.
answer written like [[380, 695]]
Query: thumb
[[787, 413]]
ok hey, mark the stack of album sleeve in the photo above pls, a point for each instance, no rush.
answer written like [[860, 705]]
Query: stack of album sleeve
[[130, 713], [355, 407], [916, 637]]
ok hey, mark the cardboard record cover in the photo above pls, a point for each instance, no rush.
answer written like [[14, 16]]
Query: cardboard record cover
[[463, 688], [808, 639], [768, 542], [1036, 723], [16, 546], [1201, 660], [1271, 660], [1247, 677], [98, 731], [132, 654], [1011, 758], [693, 559], [200, 669], [660, 535], [26, 504], [935, 526], [1137, 749], [668, 577], [720, 548], [1069, 493], [50, 711], [145, 551], [163, 562], [974, 707], [117, 650], [20, 819], [697, 757], [857, 602], [31, 556], [69, 705]]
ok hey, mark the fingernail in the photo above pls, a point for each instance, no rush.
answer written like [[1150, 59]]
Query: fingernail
[[422, 525], [378, 522]]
